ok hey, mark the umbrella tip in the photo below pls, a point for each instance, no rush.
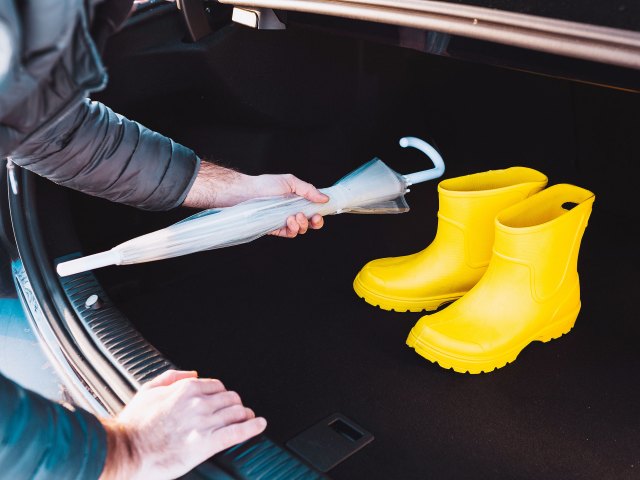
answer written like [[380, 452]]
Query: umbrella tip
[[91, 262]]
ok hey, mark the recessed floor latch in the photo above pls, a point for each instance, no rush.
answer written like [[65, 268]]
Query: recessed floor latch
[[329, 442]]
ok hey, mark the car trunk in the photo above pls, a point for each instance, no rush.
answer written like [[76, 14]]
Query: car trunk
[[278, 321]]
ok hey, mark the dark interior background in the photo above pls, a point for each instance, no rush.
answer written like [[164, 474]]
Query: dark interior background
[[278, 321]]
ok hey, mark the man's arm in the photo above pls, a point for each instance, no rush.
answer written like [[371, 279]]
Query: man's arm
[[174, 423], [98, 152], [217, 186], [88, 147]]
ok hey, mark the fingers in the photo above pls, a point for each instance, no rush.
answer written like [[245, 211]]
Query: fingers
[[220, 408], [200, 386], [303, 223], [292, 227], [290, 230], [169, 377], [316, 222], [233, 434], [215, 410], [226, 410], [228, 416], [299, 224], [209, 386], [222, 400], [188, 382], [306, 190]]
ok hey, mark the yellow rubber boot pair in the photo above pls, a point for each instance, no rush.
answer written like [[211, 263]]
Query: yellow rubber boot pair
[[458, 256], [530, 291]]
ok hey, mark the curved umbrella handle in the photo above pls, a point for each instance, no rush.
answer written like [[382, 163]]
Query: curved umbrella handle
[[429, 151]]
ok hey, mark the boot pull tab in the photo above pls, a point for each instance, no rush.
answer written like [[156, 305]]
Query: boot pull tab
[[429, 151]]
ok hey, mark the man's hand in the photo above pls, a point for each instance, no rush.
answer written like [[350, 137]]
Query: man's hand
[[175, 422], [217, 186], [270, 185]]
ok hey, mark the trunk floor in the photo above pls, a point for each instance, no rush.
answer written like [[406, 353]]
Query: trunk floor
[[277, 320]]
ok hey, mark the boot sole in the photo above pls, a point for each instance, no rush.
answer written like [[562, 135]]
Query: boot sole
[[475, 366], [429, 304]]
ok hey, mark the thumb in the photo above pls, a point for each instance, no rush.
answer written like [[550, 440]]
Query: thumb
[[308, 191], [169, 377]]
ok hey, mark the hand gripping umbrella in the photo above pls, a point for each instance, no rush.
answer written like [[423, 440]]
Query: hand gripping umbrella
[[372, 188]]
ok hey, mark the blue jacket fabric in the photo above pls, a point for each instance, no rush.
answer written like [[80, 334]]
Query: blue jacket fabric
[[42, 440], [48, 66]]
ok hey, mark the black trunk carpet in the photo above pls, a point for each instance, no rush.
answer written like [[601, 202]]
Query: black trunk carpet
[[277, 320]]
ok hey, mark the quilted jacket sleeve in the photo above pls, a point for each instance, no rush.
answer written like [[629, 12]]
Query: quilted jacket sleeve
[[43, 440], [96, 151], [48, 65]]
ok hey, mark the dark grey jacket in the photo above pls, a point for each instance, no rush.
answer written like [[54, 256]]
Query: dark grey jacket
[[48, 65]]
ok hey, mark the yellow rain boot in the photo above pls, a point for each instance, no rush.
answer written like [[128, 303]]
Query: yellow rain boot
[[530, 290], [458, 256]]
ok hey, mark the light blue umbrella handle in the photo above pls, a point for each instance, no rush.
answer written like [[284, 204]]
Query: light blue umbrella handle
[[429, 151]]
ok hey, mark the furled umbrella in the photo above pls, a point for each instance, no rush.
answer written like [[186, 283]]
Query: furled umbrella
[[372, 188]]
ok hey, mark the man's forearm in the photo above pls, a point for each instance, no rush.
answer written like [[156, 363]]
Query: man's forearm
[[122, 458], [217, 186]]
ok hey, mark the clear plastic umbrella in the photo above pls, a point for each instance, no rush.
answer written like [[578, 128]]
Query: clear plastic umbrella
[[372, 188]]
